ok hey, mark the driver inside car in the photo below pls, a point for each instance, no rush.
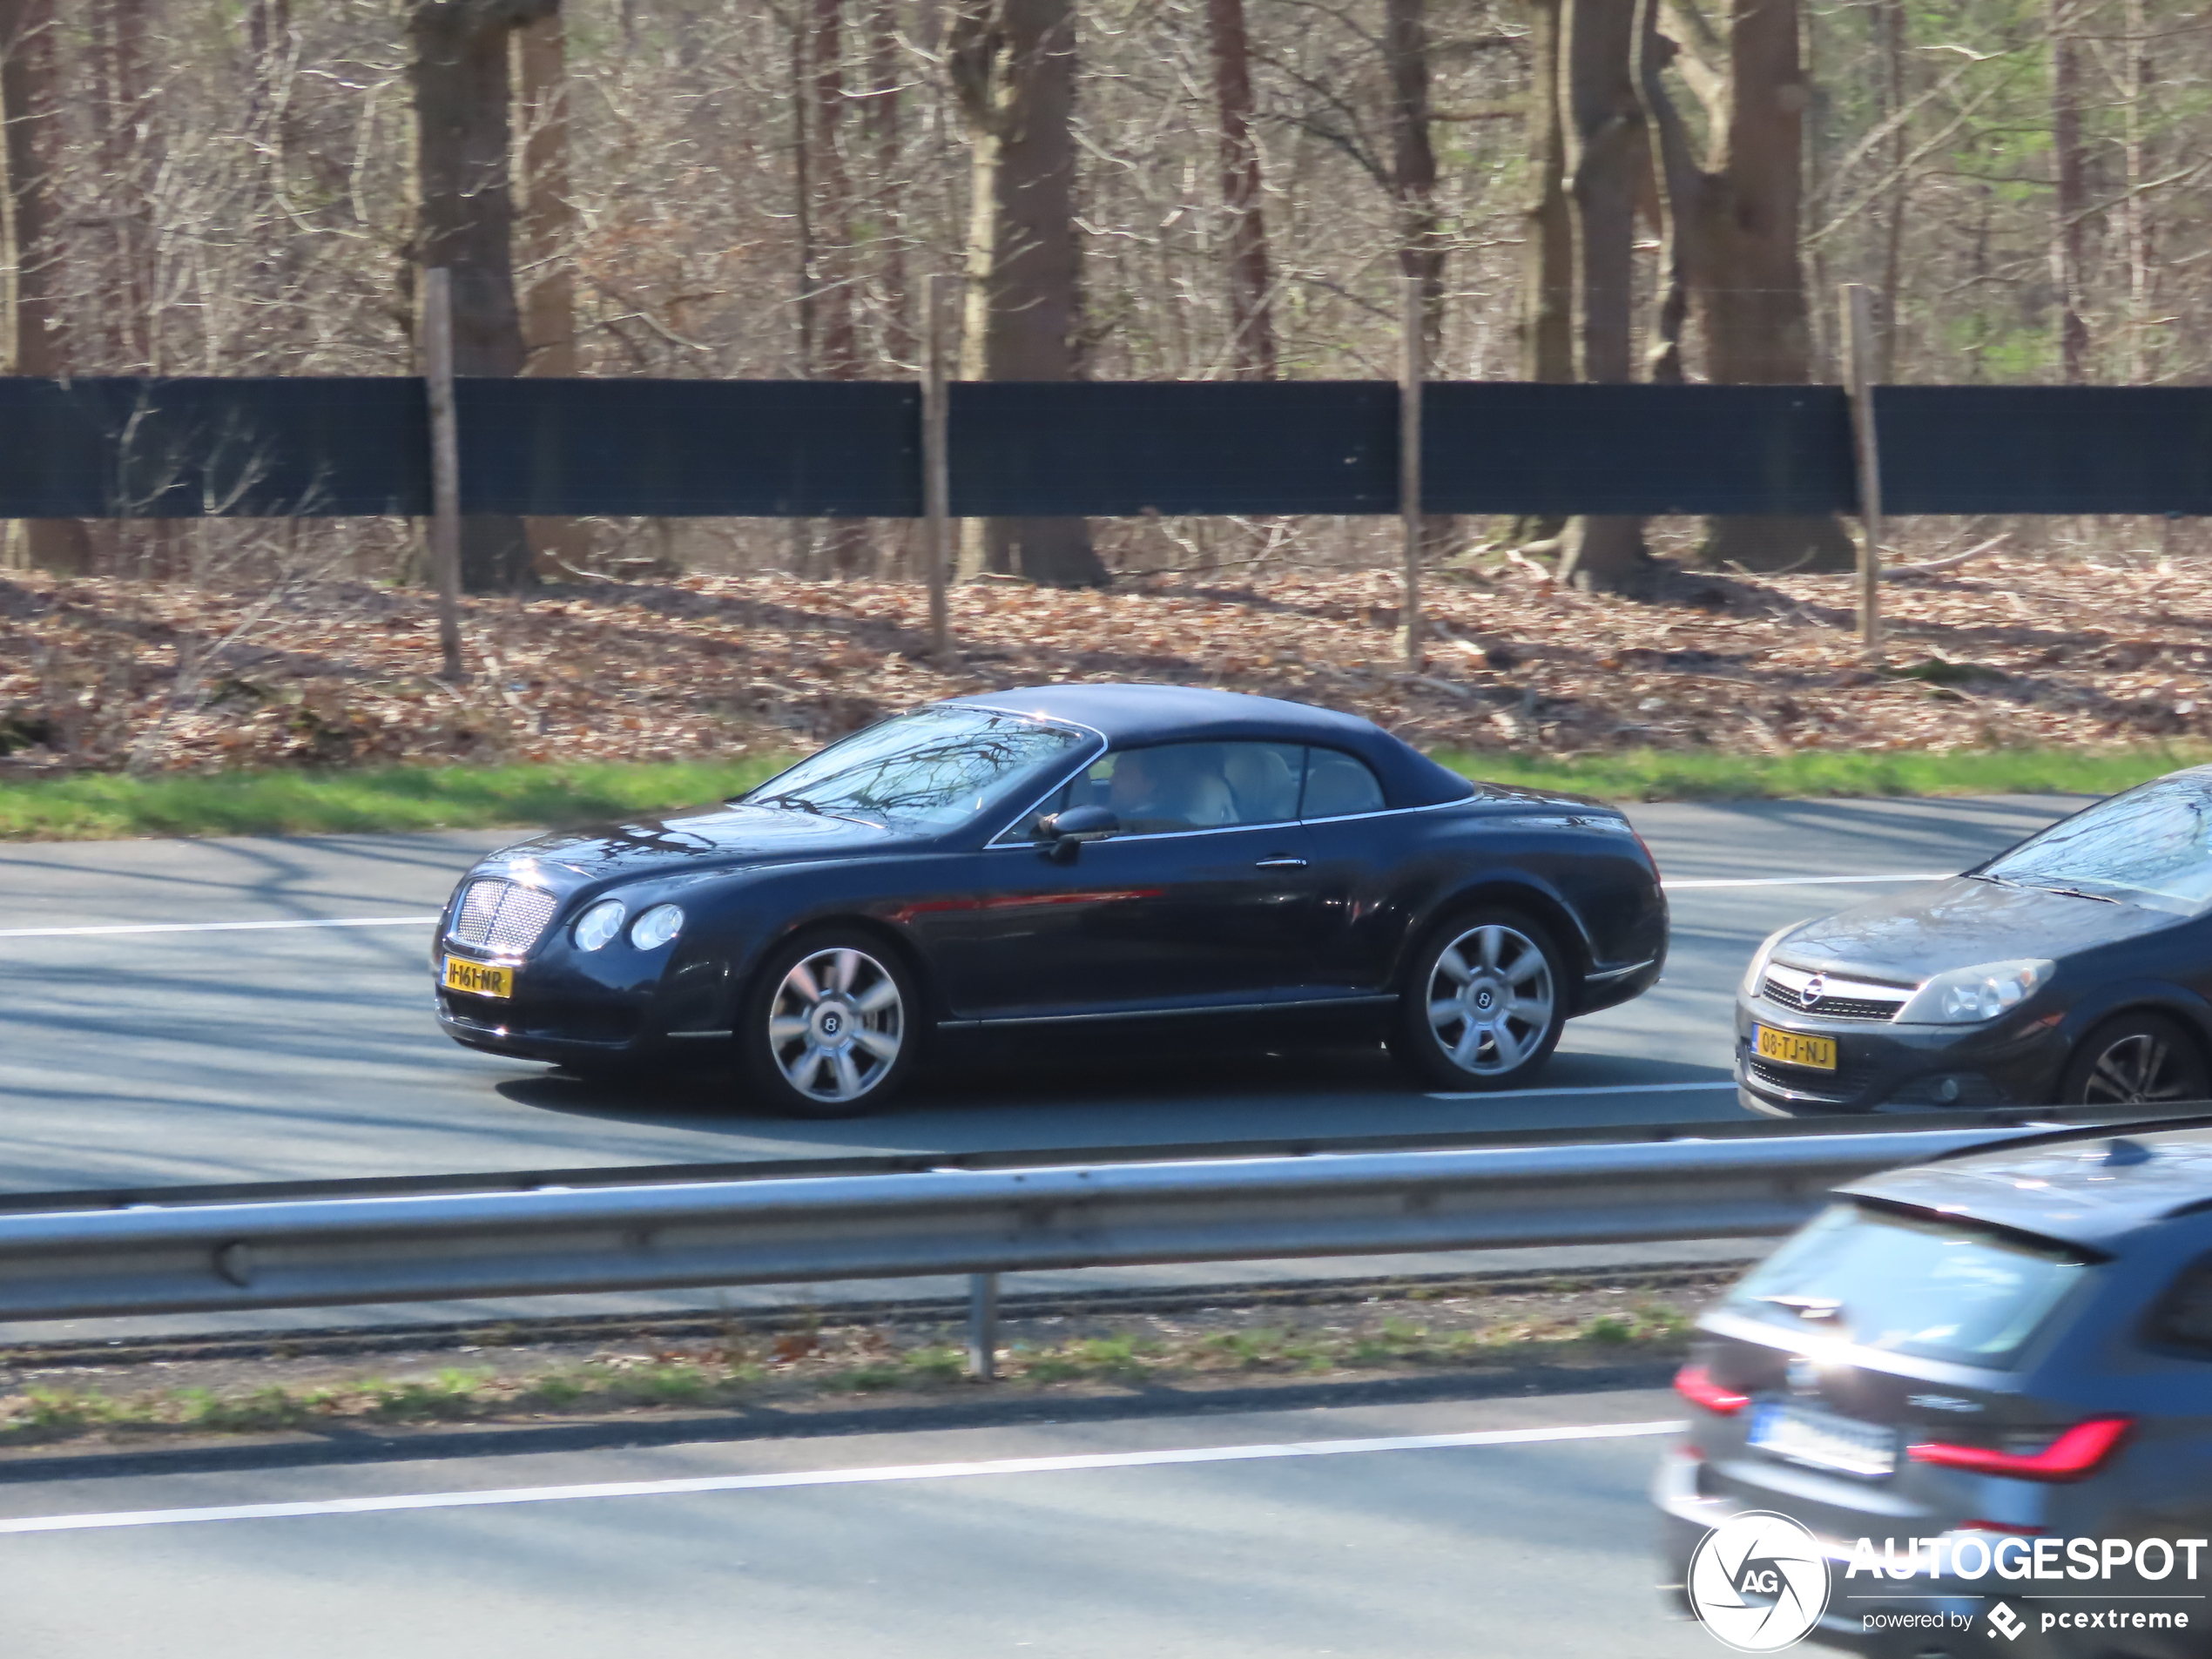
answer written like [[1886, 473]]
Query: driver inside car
[[1156, 790]]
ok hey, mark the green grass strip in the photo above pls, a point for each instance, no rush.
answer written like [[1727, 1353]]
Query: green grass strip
[[112, 806], [1697, 774]]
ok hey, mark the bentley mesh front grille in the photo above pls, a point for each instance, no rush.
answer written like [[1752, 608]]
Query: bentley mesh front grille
[[503, 918]]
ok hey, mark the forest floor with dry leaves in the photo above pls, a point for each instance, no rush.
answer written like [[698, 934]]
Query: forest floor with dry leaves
[[2010, 652]]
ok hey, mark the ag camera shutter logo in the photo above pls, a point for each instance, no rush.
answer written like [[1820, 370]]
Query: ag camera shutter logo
[[1759, 1581]]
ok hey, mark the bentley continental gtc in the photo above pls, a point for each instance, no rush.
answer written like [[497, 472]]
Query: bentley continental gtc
[[1106, 857]]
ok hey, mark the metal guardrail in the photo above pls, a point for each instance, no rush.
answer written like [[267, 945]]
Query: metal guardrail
[[294, 1252], [1734, 1130]]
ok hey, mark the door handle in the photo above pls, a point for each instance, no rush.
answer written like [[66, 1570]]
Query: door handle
[[1280, 863]]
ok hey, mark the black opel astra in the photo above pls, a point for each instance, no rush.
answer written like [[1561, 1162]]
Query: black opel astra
[[2075, 968]]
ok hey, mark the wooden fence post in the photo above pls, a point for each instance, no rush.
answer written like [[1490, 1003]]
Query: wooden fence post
[[1413, 370], [445, 463], [1859, 360], [936, 470]]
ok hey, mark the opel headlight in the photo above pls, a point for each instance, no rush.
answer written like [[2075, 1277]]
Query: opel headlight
[[656, 926], [1969, 995], [1756, 972], [599, 924]]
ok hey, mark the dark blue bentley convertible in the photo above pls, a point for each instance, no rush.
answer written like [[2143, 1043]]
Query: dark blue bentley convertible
[[1091, 853]]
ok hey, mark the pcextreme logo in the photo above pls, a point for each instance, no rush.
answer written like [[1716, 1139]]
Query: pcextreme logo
[[1759, 1581]]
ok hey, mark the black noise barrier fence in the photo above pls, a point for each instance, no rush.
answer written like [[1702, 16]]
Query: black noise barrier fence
[[328, 448]]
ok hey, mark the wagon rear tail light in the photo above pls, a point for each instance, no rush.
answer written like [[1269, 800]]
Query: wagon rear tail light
[[1696, 1384], [2075, 1454]]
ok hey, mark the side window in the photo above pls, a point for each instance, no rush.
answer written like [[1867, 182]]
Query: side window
[[1336, 785], [1177, 786], [2183, 1316]]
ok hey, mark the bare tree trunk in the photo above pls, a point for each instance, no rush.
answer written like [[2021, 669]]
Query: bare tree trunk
[[465, 219], [37, 345], [1251, 321], [1732, 244], [1605, 151], [2069, 230], [1891, 25], [1547, 258], [1014, 67], [548, 250], [268, 43], [800, 557], [2135, 222], [127, 140], [900, 345], [835, 273], [1547, 322], [1421, 239]]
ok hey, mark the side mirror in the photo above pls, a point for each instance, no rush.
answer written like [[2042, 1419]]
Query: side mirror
[[1065, 832]]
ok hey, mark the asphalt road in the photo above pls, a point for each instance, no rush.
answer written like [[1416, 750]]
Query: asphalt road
[[213, 1026], [198, 1042], [1287, 1534]]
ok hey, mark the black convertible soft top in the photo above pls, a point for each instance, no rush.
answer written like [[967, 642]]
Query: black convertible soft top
[[1132, 717]]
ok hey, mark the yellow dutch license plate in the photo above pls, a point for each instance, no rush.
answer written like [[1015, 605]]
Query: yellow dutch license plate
[[1794, 1049], [478, 979]]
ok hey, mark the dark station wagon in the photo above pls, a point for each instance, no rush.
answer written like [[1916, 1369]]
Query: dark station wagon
[[1988, 1353]]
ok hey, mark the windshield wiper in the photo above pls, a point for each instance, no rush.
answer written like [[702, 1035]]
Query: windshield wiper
[[2075, 892], [1994, 880]]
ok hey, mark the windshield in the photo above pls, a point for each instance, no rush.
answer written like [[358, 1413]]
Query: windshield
[[2150, 846], [1905, 1285], [933, 770]]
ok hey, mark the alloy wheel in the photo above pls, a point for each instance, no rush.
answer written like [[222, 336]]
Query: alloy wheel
[[835, 1024], [2140, 1068], [1490, 999]]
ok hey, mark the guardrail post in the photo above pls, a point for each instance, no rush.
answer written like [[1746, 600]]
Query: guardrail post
[[983, 1327]]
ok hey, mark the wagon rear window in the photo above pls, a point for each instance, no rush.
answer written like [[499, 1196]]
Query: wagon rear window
[[933, 770], [1908, 1286]]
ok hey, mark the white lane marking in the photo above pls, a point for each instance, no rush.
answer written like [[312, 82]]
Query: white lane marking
[[424, 921], [1804, 881], [827, 1478], [217, 926], [1587, 1089]]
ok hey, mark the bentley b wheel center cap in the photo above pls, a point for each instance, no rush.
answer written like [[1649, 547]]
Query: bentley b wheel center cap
[[831, 1024]]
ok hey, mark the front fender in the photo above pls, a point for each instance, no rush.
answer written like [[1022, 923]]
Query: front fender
[[2101, 1002]]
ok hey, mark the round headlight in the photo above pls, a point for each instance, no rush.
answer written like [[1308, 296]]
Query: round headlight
[[599, 924], [656, 926]]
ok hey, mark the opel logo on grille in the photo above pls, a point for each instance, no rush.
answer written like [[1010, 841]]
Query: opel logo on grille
[[1816, 987]]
